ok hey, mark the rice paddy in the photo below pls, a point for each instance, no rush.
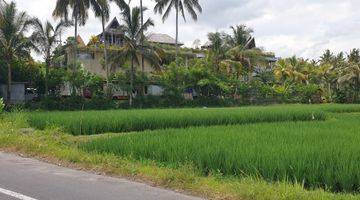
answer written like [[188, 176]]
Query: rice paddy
[[97, 122], [322, 154], [316, 146]]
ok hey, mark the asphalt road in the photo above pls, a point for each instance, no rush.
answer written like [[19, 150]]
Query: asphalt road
[[29, 179]]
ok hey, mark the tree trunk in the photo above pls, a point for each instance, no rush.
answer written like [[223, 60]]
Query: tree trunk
[[8, 88], [47, 65], [108, 92], [131, 82], [142, 35], [250, 70], [177, 29], [142, 46], [75, 51]]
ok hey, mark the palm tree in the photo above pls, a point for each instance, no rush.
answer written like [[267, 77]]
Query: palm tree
[[13, 43], [101, 9], [327, 57], [132, 42], [218, 47], [326, 75], [79, 14], [354, 56], [142, 35], [249, 58], [351, 78], [282, 71], [46, 38], [241, 35], [164, 7]]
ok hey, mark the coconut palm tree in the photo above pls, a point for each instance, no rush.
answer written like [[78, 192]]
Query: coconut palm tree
[[13, 43], [283, 71], [327, 57], [241, 34], [164, 8], [79, 14], [101, 10], [132, 47], [142, 34], [45, 37], [218, 47], [249, 58], [354, 56], [351, 78]]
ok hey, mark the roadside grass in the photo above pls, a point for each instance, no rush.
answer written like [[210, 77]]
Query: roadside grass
[[54, 146], [97, 122]]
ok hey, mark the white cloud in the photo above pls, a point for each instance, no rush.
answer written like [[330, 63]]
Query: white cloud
[[287, 27]]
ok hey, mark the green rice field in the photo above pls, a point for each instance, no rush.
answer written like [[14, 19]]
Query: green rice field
[[316, 154], [317, 146], [96, 122]]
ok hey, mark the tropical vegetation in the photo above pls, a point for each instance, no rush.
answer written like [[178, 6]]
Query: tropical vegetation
[[286, 151], [14, 45], [164, 8], [133, 29], [45, 38], [231, 72]]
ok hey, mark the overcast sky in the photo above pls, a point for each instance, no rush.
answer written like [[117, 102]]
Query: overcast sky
[[286, 27]]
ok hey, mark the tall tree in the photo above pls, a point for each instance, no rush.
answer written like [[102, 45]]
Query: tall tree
[[79, 14], [164, 8], [142, 35], [327, 57], [101, 9], [249, 59], [350, 77], [132, 47], [46, 37], [218, 47], [13, 43], [354, 56], [241, 34]]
